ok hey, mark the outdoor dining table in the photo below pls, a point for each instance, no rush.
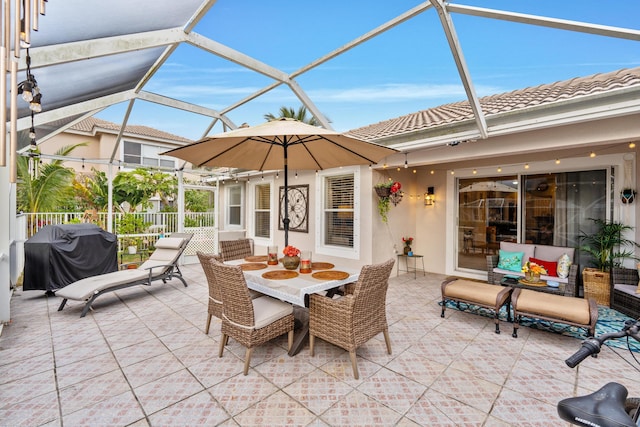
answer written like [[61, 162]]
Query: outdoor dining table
[[294, 290]]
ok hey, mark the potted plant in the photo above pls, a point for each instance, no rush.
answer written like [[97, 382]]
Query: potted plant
[[606, 244], [384, 192], [130, 224], [607, 248]]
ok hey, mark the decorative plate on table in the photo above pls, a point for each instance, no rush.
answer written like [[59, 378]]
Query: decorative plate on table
[[321, 266], [280, 274], [330, 275], [248, 266], [540, 283], [256, 258]]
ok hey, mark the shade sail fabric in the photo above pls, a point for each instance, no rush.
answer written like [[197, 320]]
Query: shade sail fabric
[[262, 147], [58, 255]]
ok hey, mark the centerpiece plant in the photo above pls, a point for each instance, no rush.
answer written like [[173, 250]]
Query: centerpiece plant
[[532, 271], [291, 258]]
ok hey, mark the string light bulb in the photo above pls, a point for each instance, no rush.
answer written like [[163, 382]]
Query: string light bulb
[[526, 166], [406, 165], [632, 145], [499, 169], [557, 161], [592, 154]]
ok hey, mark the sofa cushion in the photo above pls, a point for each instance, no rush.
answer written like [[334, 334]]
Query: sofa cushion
[[526, 248], [550, 266], [552, 253], [511, 261]]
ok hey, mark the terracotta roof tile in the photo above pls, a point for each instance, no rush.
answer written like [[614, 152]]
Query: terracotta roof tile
[[500, 103], [88, 125]]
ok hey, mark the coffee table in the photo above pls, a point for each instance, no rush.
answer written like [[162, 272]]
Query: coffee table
[[540, 288]]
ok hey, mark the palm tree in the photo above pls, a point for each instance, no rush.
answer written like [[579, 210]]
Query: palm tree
[[49, 187], [289, 112]]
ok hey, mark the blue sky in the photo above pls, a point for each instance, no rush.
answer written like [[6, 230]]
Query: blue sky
[[407, 69]]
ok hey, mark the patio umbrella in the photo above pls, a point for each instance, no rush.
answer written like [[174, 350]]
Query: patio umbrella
[[488, 186], [279, 144]]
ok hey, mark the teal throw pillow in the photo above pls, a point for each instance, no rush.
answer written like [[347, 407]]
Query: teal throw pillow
[[511, 261]]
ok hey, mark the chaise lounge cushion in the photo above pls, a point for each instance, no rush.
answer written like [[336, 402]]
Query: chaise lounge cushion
[[84, 289]]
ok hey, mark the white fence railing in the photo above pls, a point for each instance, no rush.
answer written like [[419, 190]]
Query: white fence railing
[[202, 224], [159, 222]]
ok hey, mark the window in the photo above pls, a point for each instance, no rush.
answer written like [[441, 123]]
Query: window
[[547, 209], [339, 210], [132, 153], [262, 210], [234, 206], [147, 155]]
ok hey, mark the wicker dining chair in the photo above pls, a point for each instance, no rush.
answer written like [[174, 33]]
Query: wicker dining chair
[[351, 320], [252, 322], [236, 249], [215, 296]]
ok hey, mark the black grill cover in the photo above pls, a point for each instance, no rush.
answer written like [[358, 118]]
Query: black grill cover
[[61, 254]]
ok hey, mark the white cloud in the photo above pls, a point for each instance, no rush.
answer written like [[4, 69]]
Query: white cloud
[[395, 92]]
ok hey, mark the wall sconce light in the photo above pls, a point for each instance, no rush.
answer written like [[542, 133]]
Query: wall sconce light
[[429, 197]]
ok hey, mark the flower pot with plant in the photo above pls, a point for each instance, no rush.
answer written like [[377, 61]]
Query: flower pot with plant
[[608, 248], [407, 244], [291, 258], [130, 224], [384, 192]]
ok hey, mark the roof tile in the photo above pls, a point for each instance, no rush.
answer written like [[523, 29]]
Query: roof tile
[[90, 123], [500, 103]]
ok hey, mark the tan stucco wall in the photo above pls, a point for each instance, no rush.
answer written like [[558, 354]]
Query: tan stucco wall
[[434, 227]]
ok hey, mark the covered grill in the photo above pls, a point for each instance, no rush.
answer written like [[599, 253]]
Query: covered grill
[[61, 254]]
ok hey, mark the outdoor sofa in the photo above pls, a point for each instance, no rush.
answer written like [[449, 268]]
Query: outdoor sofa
[[551, 256]]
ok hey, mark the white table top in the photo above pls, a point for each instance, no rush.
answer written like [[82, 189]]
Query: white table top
[[293, 290]]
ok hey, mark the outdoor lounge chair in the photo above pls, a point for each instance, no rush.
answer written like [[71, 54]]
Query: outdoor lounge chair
[[161, 265]]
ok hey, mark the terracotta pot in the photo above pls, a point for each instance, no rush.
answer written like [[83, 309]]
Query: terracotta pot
[[290, 262]]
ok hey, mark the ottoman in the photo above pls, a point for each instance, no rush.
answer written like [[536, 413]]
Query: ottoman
[[476, 293], [554, 308]]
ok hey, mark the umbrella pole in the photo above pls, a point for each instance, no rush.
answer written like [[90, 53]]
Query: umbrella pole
[[285, 220]]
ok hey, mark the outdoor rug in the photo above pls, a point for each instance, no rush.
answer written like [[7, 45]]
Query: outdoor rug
[[609, 320]]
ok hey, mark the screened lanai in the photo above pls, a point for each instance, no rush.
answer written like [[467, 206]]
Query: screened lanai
[[199, 67]]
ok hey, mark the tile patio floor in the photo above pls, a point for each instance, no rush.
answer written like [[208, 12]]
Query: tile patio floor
[[142, 359]]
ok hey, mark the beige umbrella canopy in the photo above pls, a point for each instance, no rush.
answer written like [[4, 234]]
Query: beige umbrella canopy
[[488, 186], [279, 144]]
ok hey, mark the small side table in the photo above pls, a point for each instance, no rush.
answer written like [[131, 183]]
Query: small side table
[[408, 268]]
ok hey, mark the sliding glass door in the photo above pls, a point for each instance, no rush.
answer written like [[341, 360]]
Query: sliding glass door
[[548, 209]]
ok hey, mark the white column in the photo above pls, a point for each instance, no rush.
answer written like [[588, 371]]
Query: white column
[[7, 222]]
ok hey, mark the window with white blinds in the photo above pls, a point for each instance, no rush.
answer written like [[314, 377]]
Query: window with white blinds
[[339, 210], [234, 205], [262, 210]]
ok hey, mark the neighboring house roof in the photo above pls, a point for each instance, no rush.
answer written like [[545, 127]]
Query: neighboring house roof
[[522, 99], [92, 124]]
